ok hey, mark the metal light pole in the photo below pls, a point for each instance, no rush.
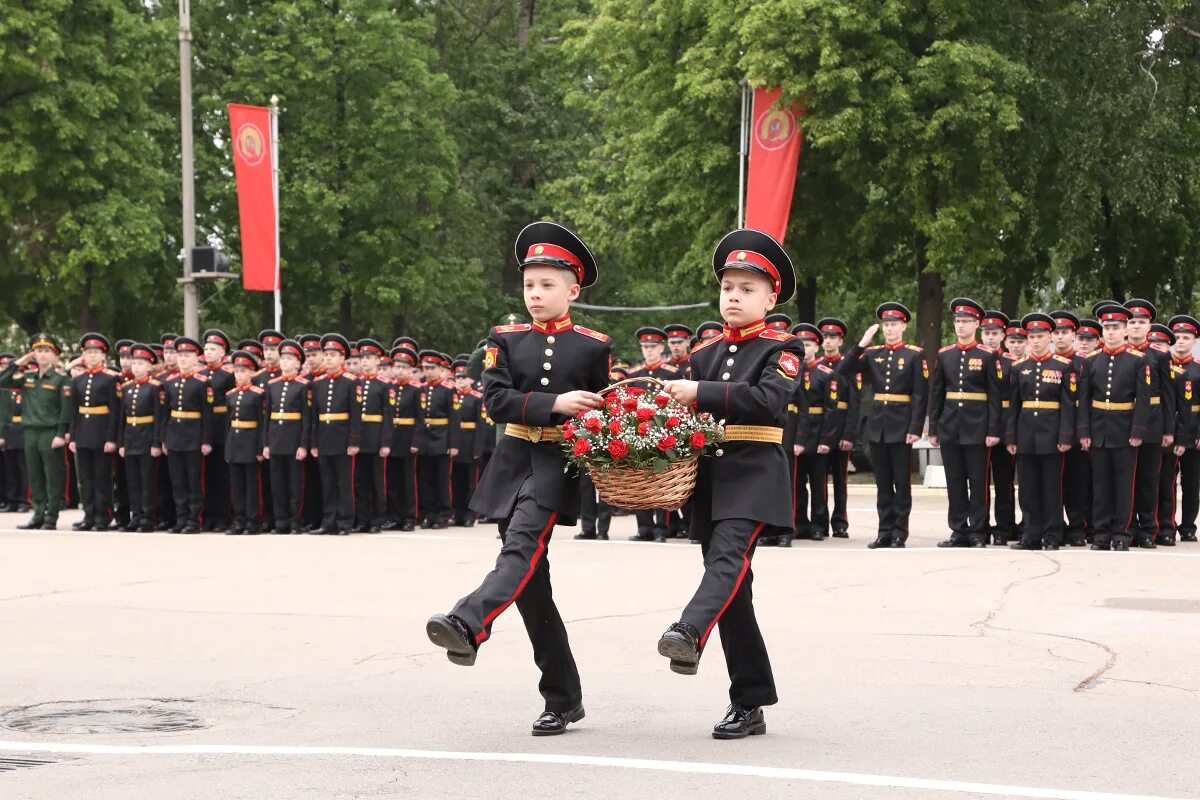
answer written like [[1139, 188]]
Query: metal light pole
[[191, 316]]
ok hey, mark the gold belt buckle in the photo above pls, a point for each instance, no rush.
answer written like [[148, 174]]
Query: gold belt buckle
[[535, 434]]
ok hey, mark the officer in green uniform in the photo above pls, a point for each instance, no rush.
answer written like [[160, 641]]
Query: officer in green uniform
[[47, 410]]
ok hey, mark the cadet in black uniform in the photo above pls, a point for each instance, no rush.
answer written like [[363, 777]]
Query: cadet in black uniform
[[1186, 329], [1039, 430], [964, 422], [1077, 474], [93, 432], [1160, 434], [311, 510], [122, 517], [536, 376], [679, 343], [994, 331], [470, 444], [821, 420], [335, 434], [375, 397], [434, 442], [188, 398], [899, 375], [216, 471], [652, 525], [833, 332], [402, 475], [139, 436], [164, 494], [745, 379], [1114, 417], [595, 515], [289, 431], [245, 438], [1162, 339]]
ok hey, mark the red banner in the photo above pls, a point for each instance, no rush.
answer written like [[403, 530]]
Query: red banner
[[252, 166], [775, 140]]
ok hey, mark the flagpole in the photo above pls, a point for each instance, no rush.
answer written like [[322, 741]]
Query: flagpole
[[275, 189], [742, 141]]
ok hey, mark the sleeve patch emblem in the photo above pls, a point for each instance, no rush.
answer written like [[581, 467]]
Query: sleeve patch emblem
[[489, 357], [790, 364]]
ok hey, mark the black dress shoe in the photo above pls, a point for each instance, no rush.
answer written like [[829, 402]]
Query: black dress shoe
[[881, 542], [552, 723], [469, 523], [768, 541], [1187, 537], [783, 541], [1024, 546], [82, 525], [191, 529], [426, 524], [233, 530], [660, 538], [955, 541], [1166, 541], [603, 537], [49, 526], [1146, 543], [438, 526], [841, 534], [1050, 546], [681, 644], [452, 633], [406, 527], [585, 537], [896, 544], [1120, 546], [740, 722], [1101, 547], [147, 528]]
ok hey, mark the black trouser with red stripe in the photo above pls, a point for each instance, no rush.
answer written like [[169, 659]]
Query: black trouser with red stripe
[[216, 486], [186, 476], [95, 484], [462, 486], [811, 487], [966, 488], [433, 478], [1004, 469], [337, 492], [1145, 493], [1077, 494], [892, 465], [370, 489], [243, 480], [839, 466], [287, 487], [522, 576], [16, 478], [1112, 493], [1041, 479], [140, 472], [1166, 495], [312, 507], [725, 600], [402, 487], [1189, 485]]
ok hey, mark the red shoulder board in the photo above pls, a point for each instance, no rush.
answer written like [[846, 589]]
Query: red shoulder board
[[126, 383], [512, 328], [948, 347], [706, 343], [274, 380], [112, 372], [322, 378], [476, 393], [155, 383], [670, 368], [913, 347], [300, 379], [824, 368], [1137, 353], [597, 335], [1009, 356], [227, 368], [257, 389], [774, 335], [200, 377], [231, 391]]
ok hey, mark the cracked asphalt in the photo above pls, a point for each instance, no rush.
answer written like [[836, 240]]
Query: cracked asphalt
[[1071, 671]]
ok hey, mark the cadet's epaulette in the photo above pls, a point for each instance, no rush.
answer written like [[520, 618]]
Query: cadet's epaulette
[[200, 376], [153, 382], [1020, 360], [948, 347], [274, 380], [1137, 353], [986, 347], [476, 393], [1090, 355], [669, 367], [226, 368], [912, 347], [1061, 359], [112, 372], [303, 381], [774, 335], [874, 346], [1009, 356], [318, 378], [707, 343], [825, 368], [597, 335], [524, 326], [257, 389]]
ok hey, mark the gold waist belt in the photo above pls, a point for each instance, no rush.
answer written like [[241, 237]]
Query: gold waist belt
[[185, 414], [372, 417], [16, 419], [139, 420], [286, 415], [843, 406], [437, 421], [406, 420], [340, 417], [220, 409], [754, 433], [1040, 404], [533, 433], [793, 408], [893, 398], [244, 423], [966, 396], [89, 410], [1104, 405], [1155, 401], [467, 426], [816, 411]]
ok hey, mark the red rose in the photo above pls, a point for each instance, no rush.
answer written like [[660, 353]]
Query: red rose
[[661, 400], [629, 403], [636, 391], [666, 443], [612, 402], [614, 427], [672, 422], [643, 428], [618, 449], [593, 424], [644, 414], [697, 441], [583, 447], [568, 433]]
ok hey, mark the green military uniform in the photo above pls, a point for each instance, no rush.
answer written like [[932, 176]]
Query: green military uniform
[[46, 411]]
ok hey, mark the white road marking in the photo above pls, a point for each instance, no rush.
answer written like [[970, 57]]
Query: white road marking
[[775, 773]]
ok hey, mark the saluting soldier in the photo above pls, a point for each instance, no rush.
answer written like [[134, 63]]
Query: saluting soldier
[[375, 398], [93, 432], [139, 435], [335, 436], [14, 490], [899, 375], [1114, 417], [434, 440], [289, 431], [996, 332], [1039, 431], [188, 434], [1186, 328], [46, 409], [1162, 339], [245, 438], [822, 419], [1160, 433], [652, 525], [964, 421], [216, 470], [834, 332], [402, 464], [470, 444]]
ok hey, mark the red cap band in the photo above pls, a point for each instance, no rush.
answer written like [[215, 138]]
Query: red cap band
[[754, 259], [1186, 327], [1120, 316], [974, 312], [544, 250], [1158, 336], [650, 337], [1038, 325], [95, 343]]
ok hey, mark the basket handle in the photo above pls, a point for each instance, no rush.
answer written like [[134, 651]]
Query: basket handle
[[631, 380]]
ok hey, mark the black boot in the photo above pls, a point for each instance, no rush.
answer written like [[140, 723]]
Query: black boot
[[454, 635], [681, 644], [740, 722]]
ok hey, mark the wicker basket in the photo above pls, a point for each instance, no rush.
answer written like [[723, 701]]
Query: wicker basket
[[643, 490]]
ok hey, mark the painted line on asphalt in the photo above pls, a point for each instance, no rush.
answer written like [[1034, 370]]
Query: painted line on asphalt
[[651, 765]]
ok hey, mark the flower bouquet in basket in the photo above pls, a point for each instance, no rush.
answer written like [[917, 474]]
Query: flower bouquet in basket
[[641, 447]]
